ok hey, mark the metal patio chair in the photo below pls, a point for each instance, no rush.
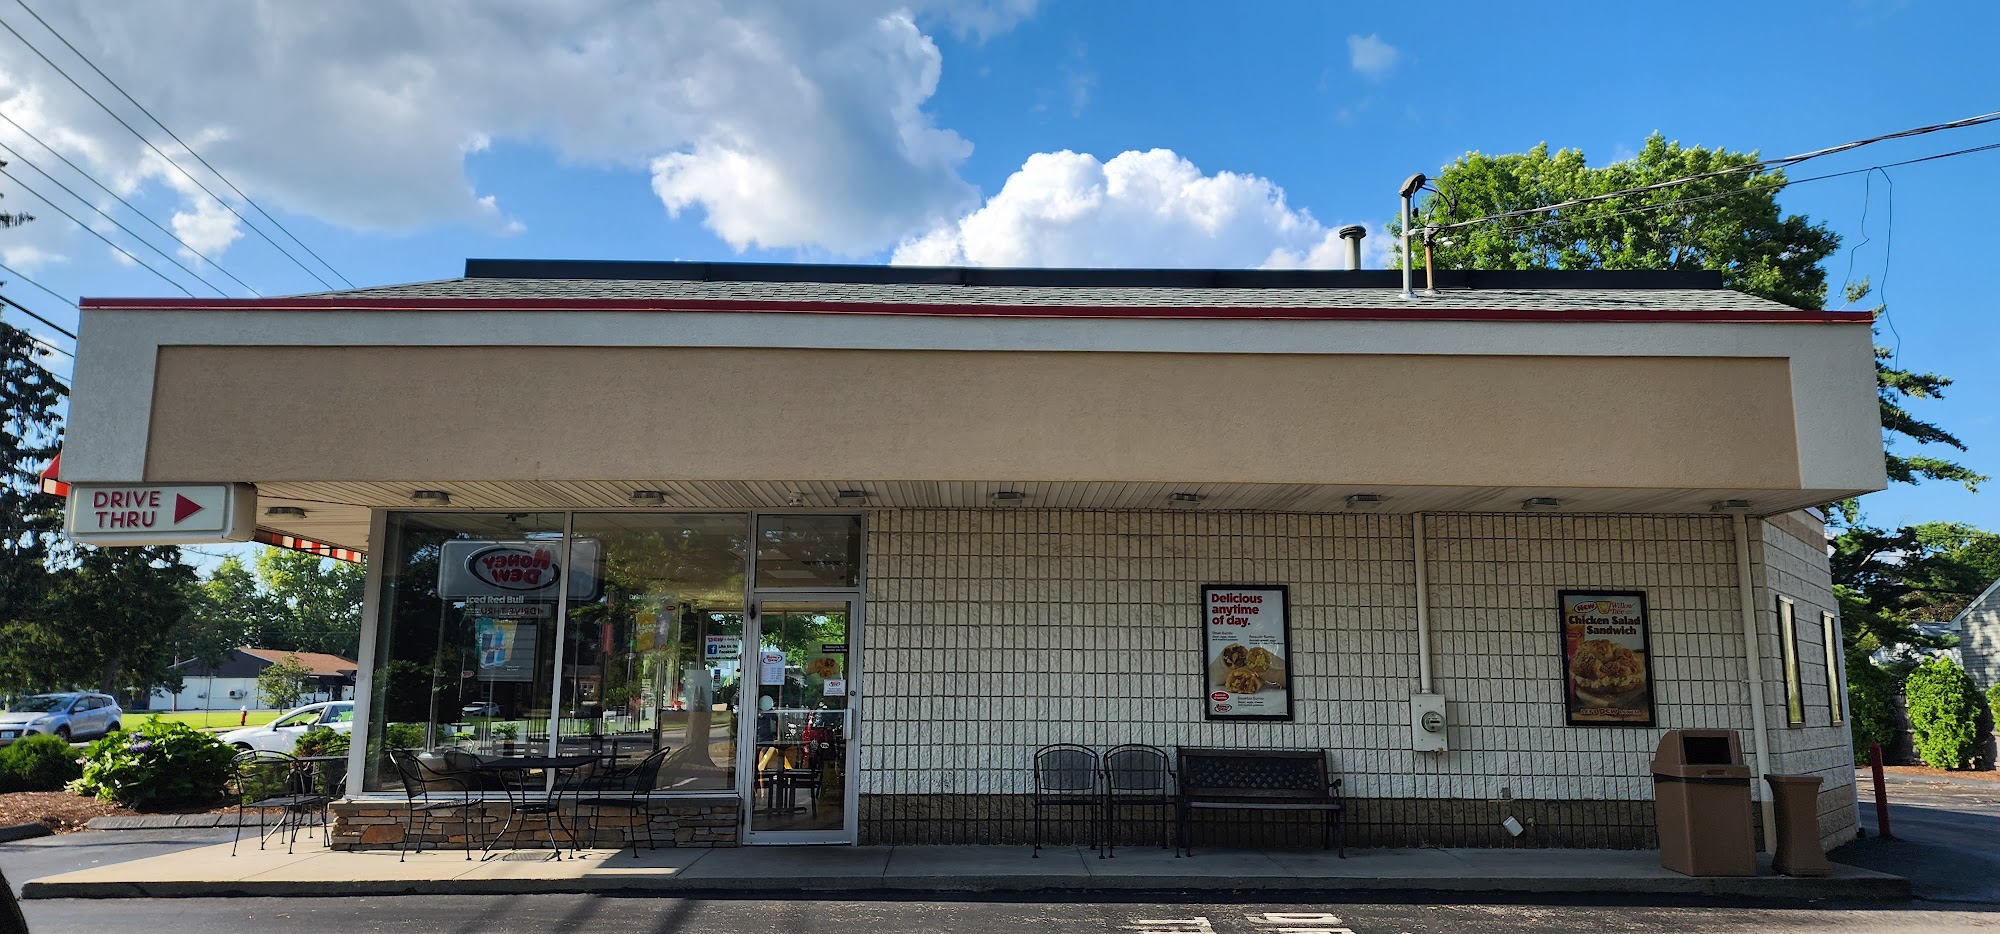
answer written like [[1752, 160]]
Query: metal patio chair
[[1066, 776], [631, 790], [419, 783], [1136, 775], [275, 781]]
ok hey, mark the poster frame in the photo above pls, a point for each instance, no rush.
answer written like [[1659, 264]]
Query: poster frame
[[1201, 651], [1563, 598]]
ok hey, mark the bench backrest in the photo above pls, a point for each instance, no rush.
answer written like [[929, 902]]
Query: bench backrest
[[1263, 770]]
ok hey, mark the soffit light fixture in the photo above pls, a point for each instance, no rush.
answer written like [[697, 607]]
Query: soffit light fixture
[[285, 512], [1185, 500], [851, 497], [1541, 503], [1008, 498], [649, 497], [1729, 505], [1365, 500], [430, 497]]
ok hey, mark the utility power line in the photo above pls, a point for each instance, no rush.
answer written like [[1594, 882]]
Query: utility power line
[[24, 278], [259, 231], [121, 200], [93, 232], [102, 213], [1736, 170], [59, 329]]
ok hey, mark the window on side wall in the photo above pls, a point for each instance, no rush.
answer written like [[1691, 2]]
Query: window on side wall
[[1836, 702], [1788, 648]]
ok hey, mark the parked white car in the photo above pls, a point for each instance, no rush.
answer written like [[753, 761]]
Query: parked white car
[[282, 734]]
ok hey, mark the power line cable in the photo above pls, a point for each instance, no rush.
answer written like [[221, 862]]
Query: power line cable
[[93, 232], [121, 200], [176, 138], [59, 329], [102, 213], [24, 278], [1746, 168], [259, 231]]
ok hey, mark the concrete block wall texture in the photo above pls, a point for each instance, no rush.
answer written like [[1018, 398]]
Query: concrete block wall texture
[[1788, 559], [992, 632]]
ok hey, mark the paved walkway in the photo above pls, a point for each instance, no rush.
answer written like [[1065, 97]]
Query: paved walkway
[[211, 871]]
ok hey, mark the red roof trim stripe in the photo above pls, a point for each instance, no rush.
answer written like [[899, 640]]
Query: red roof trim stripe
[[1221, 313]]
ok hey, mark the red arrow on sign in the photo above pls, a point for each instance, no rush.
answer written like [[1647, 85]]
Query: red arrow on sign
[[184, 507]]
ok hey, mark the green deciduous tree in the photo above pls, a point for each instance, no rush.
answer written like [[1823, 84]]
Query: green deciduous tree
[[114, 616], [315, 602], [283, 682]]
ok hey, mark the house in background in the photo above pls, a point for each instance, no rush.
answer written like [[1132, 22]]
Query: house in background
[[233, 684], [1979, 637]]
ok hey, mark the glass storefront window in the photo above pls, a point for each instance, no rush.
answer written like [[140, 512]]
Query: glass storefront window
[[808, 552], [463, 652], [652, 660], [469, 647]]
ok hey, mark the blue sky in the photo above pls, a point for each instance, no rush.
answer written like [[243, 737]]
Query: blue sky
[[397, 144]]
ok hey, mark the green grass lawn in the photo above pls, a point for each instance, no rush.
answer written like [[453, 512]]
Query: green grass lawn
[[202, 719]]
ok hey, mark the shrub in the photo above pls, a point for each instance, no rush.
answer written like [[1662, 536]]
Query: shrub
[[1871, 704], [406, 735], [37, 763], [158, 765], [322, 741], [1945, 712]]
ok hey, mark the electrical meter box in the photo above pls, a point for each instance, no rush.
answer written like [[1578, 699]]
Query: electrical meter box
[[1427, 722]]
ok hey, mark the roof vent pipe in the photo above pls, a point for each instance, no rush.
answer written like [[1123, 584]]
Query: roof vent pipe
[[1411, 186], [1353, 233]]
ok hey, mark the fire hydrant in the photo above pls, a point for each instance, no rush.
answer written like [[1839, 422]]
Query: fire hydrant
[[243, 719]]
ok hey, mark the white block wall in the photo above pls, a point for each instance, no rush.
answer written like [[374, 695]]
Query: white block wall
[[992, 632], [1788, 558]]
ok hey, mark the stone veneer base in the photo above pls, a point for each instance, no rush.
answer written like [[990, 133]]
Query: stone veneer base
[[386, 823]]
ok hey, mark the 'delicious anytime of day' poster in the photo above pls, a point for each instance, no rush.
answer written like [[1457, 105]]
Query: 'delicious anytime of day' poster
[[1246, 652]]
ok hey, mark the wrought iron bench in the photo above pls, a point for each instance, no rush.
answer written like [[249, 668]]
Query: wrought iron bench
[[1262, 780]]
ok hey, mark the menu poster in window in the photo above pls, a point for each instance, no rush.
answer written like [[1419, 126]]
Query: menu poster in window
[[1246, 652], [770, 667], [1607, 670], [506, 649]]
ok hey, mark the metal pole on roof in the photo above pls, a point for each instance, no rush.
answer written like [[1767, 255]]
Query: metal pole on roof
[[1411, 186]]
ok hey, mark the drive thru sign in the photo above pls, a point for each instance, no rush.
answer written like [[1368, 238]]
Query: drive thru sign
[[162, 514]]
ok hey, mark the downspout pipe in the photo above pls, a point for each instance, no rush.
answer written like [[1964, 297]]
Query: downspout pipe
[[1423, 604], [1759, 730]]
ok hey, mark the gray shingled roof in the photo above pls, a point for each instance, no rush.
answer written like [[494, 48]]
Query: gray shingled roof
[[1563, 299]]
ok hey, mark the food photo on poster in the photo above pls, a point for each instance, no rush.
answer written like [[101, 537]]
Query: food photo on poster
[[1246, 652], [1607, 668]]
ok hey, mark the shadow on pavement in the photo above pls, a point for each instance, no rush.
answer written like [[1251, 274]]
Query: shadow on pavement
[[1943, 846]]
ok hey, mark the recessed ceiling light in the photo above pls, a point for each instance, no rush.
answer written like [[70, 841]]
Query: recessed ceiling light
[[648, 497], [1541, 502], [1185, 500], [1364, 500], [1729, 505], [1008, 498], [851, 497], [430, 497], [286, 512]]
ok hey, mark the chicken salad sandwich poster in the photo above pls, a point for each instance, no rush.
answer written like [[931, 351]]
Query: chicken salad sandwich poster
[[1246, 652], [1607, 668]]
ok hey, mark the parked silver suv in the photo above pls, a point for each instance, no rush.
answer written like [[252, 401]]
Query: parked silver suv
[[70, 716]]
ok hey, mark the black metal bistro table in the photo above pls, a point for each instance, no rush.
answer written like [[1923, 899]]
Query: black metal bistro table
[[559, 780]]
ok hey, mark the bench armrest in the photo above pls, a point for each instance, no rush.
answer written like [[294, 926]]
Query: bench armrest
[[1333, 788]]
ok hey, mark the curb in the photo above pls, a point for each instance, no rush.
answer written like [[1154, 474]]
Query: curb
[[28, 831], [1846, 887], [160, 821]]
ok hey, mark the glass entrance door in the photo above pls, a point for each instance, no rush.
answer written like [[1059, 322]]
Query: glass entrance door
[[799, 753]]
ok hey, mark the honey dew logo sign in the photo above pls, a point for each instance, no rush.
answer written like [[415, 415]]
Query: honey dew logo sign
[[1246, 652], [525, 570], [1607, 669]]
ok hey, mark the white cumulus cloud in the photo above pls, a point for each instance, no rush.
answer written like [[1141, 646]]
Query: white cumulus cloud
[[1138, 209], [1371, 56], [783, 124]]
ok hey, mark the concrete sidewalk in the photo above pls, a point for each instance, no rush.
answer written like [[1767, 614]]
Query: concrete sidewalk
[[938, 870]]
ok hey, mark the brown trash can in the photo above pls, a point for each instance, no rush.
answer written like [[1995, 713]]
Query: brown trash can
[[1796, 799], [1701, 799]]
